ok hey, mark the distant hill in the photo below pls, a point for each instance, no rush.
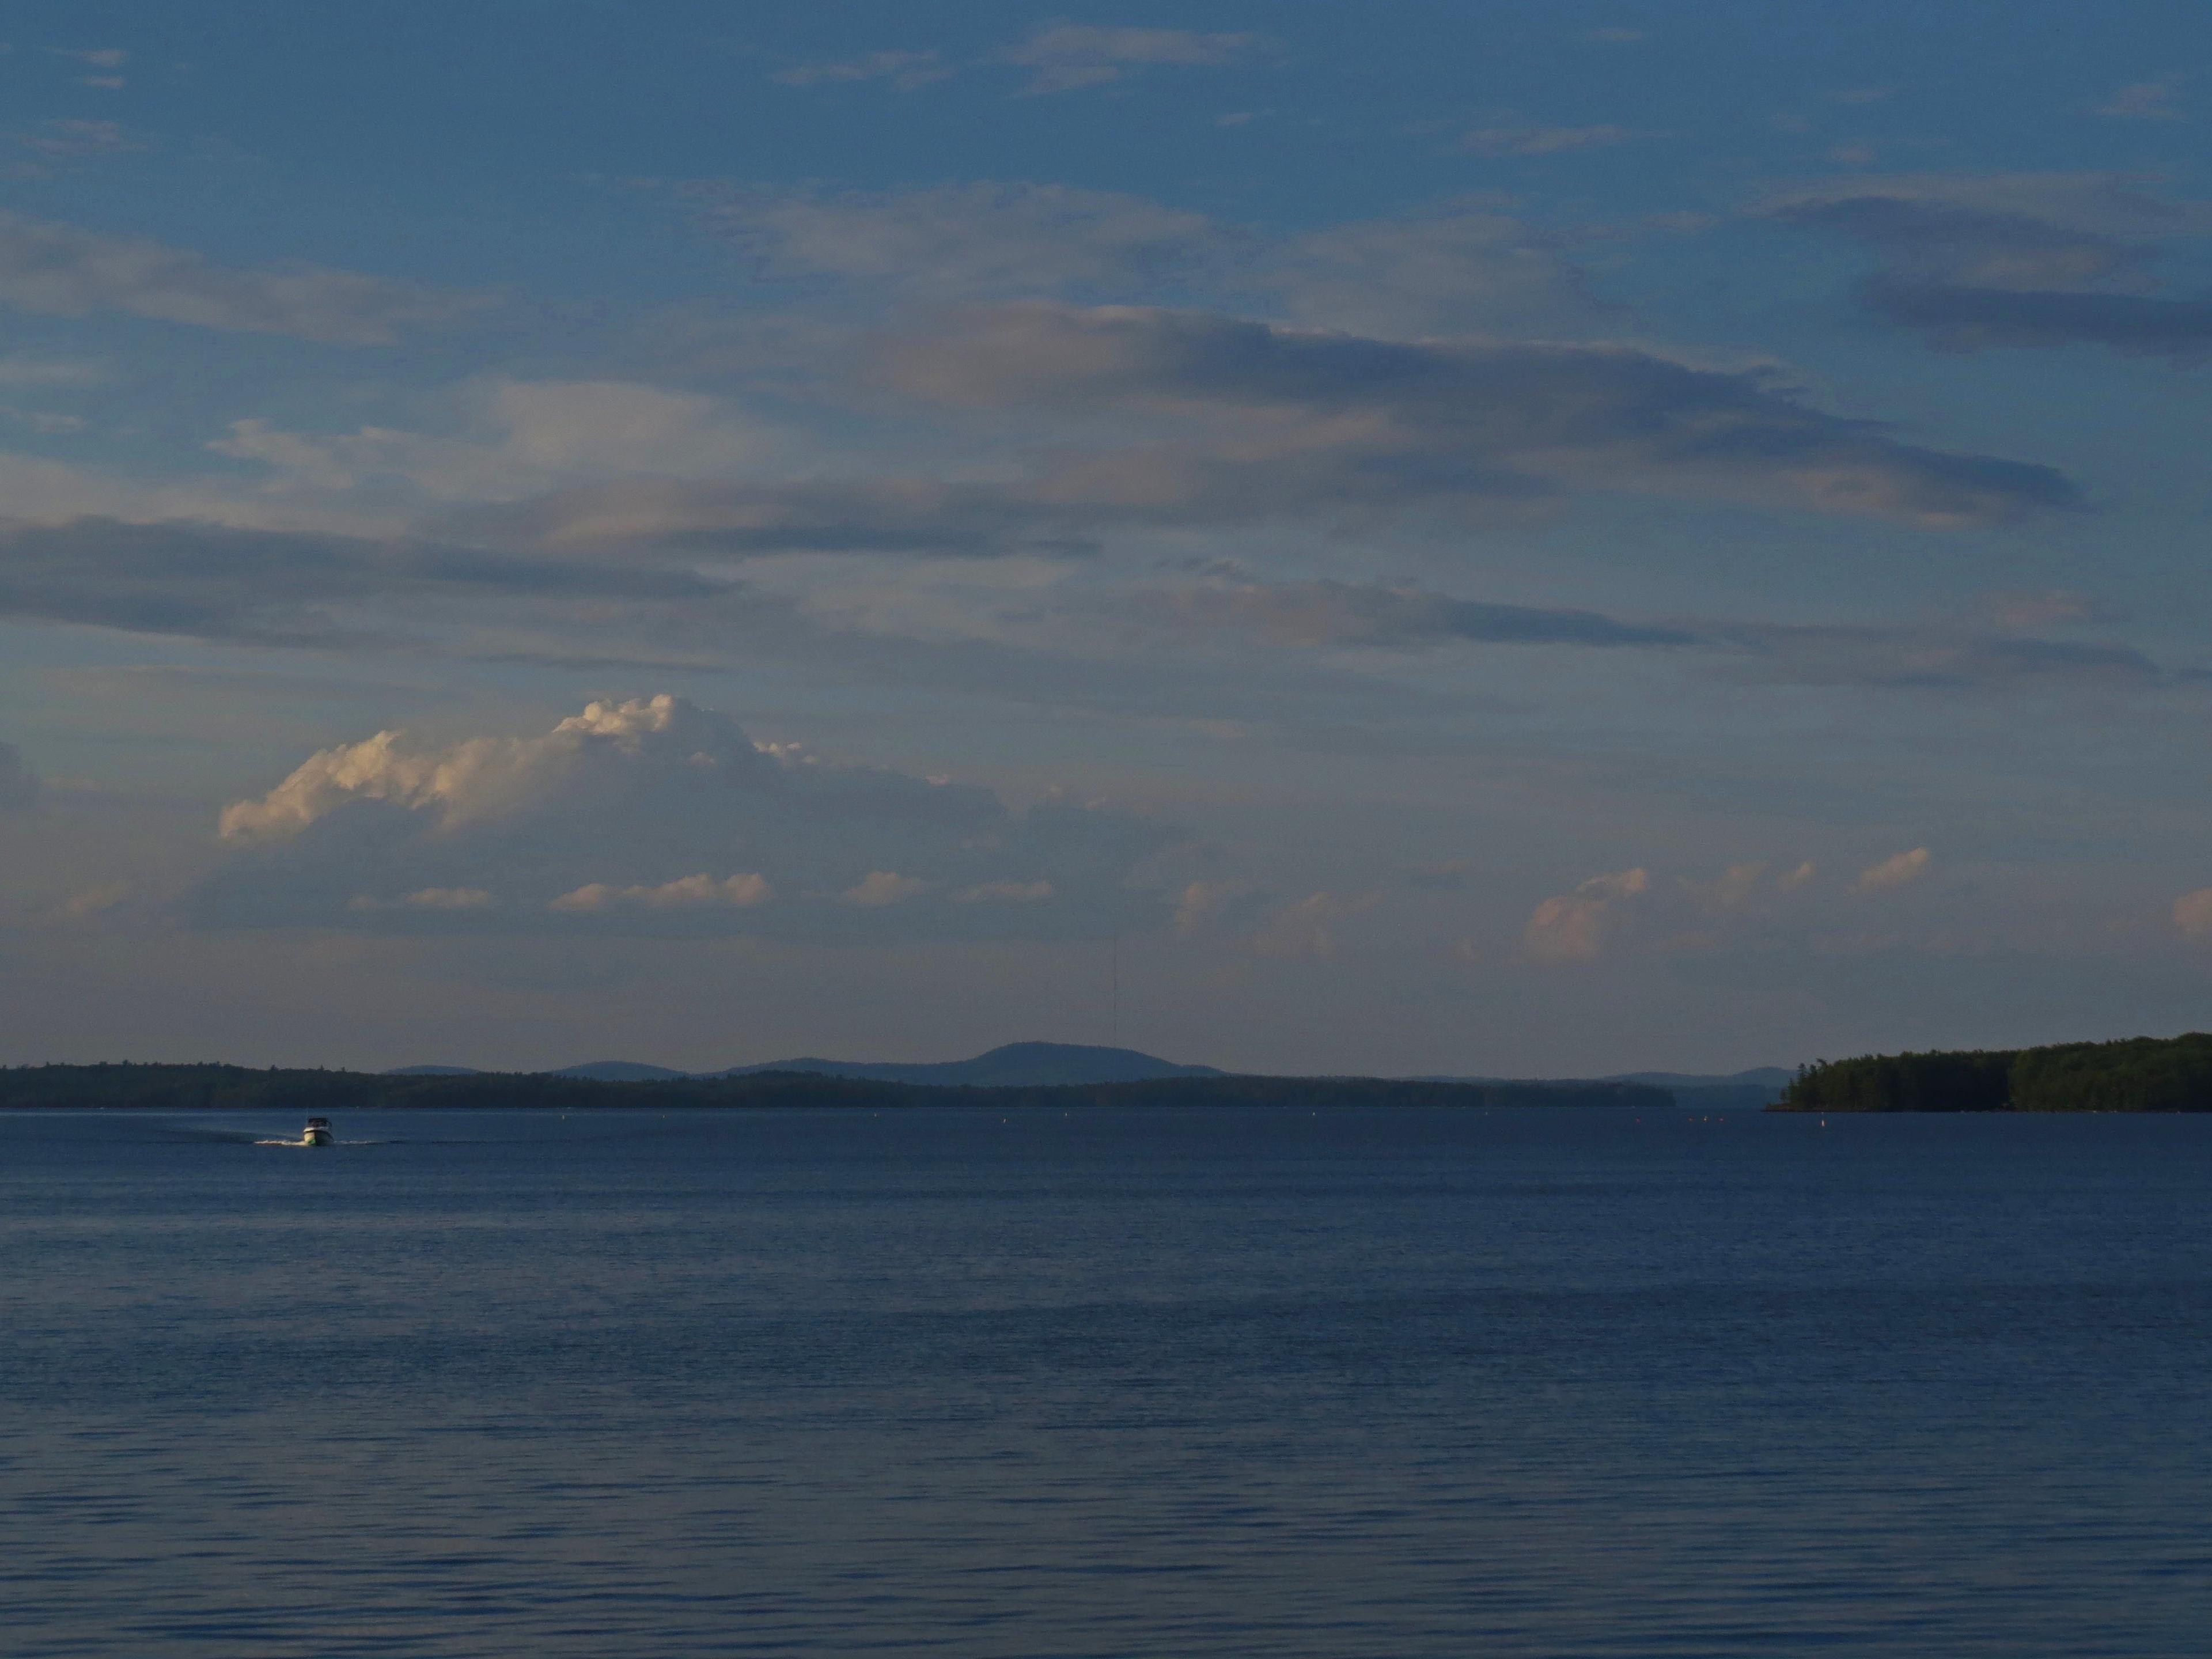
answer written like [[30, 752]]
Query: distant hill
[[597, 1071], [1061, 1065], [1012, 1066]]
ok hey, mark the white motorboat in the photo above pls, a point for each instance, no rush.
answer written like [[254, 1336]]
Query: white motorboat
[[318, 1134]]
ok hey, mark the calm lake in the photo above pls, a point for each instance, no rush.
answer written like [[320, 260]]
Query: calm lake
[[1245, 1383]]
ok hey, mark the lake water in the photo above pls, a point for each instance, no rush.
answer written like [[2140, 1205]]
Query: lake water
[[1253, 1382]]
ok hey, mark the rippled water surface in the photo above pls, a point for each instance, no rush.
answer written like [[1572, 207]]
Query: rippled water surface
[[1250, 1382]]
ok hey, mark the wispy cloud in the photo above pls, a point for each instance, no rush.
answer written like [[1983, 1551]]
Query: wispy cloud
[[19, 784], [960, 242], [1460, 267], [92, 901], [104, 62], [426, 898], [1140, 420], [1305, 930], [1971, 319], [217, 582], [73, 138], [1059, 58], [1547, 141], [1336, 613], [879, 888], [1068, 56], [2146, 100], [62, 270], [1311, 421], [1910, 657], [20, 371], [1004, 892], [684, 893], [2024, 260], [1897, 656], [904, 70], [519, 438]]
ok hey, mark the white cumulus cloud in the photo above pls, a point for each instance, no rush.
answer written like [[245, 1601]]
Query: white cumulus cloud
[[1572, 926], [1305, 930], [630, 816], [881, 887], [1901, 869], [2192, 913]]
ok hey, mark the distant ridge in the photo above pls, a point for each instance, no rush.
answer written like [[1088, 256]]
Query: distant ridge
[[597, 1071], [1059, 1065], [1013, 1065]]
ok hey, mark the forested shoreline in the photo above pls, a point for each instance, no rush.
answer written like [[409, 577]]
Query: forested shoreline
[[2132, 1074], [128, 1086]]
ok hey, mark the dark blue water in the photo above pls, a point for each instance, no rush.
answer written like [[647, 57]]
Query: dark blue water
[[1255, 1382]]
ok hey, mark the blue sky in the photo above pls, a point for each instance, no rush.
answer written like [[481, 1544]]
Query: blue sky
[[1504, 539]]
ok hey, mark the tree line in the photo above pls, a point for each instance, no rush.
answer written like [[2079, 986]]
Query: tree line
[[2132, 1074], [240, 1089]]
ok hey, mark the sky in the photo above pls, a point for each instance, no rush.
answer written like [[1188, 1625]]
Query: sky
[[1524, 538]]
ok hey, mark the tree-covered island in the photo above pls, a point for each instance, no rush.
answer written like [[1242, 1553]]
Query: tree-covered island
[[2134, 1074]]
